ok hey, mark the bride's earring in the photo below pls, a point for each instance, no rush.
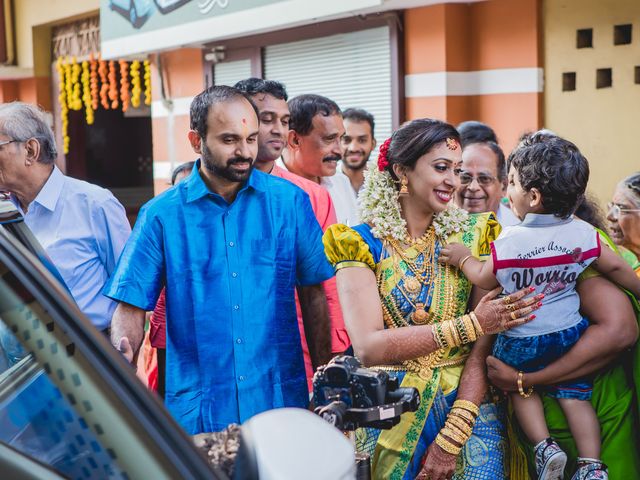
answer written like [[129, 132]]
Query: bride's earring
[[404, 190]]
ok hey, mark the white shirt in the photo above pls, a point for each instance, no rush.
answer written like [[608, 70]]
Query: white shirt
[[83, 229], [342, 195], [506, 218]]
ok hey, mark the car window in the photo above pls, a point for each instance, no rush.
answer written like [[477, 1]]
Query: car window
[[66, 397], [36, 418]]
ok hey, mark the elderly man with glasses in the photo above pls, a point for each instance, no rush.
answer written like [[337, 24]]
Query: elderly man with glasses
[[82, 227], [483, 181]]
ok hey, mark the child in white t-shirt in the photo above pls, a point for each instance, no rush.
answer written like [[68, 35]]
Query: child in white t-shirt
[[548, 250]]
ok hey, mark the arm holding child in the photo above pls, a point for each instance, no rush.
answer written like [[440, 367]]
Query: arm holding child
[[479, 273]]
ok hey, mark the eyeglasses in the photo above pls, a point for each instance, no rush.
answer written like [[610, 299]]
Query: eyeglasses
[[616, 210], [482, 179], [7, 142]]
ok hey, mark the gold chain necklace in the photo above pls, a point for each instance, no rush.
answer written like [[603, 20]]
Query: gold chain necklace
[[422, 276]]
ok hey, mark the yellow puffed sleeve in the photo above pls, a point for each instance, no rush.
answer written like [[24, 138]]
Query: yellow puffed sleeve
[[483, 228], [344, 247]]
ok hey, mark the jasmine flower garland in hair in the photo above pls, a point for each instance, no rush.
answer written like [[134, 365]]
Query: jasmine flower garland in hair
[[379, 206]]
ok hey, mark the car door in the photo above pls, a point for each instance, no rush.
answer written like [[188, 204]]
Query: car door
[[68, 401]]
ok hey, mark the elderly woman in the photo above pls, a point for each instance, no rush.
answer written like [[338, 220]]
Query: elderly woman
[[405, 312], [624, 218]]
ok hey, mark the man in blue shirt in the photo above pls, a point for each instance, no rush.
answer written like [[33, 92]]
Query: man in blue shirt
[[82, 227], [230, 244]]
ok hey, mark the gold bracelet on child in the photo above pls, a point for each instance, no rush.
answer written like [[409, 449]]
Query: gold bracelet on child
[[521, 391], [461, 262]]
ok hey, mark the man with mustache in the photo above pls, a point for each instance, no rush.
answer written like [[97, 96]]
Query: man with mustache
[[483, 181], [314, 150], [271, 99], [358, 142], [229, 244]]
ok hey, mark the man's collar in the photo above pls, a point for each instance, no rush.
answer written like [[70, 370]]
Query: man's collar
[[50, 192], [196, 188]]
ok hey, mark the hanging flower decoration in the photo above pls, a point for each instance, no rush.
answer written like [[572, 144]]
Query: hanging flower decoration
[[147, 83], [135, 83], [76, 97], [104, 88], [64, 110], [93, 81], [124, 85], [113, 85], [68, 86], [86, 93]]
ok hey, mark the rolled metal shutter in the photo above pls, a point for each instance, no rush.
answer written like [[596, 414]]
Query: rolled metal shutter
[[229, 73], [353, 69]]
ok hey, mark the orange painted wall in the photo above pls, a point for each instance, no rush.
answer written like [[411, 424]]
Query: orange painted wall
[[492, 34], [183, 76], [183, 73], [31, 90], [183, 151], [505, 34]]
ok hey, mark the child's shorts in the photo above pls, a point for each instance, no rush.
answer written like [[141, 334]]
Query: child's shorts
[[530, 354]]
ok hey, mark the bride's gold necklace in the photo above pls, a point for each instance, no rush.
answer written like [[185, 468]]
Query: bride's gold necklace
[[423, 275]]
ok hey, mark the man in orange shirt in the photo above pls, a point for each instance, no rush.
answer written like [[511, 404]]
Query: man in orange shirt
[[271, 99]]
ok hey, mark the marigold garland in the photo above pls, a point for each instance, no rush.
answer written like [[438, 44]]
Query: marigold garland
[[93, 83], [86, 93], [125, 96], [68, 86], [135, 83], [104, 88], [93, 74], [62, 98], [76, 97], [147, 83], [113, 85]]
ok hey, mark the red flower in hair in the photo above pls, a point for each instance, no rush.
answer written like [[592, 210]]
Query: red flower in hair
[[383, 159]]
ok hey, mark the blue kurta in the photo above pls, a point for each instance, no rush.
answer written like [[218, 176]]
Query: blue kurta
[[230, 270]]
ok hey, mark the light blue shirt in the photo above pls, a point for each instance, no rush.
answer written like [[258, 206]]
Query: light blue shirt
[[230, 271], [83, 229]]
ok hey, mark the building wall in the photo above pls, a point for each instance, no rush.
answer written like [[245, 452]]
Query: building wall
[[33, 20], [34, 13], [602, 122], [183, 77], [466, 62]]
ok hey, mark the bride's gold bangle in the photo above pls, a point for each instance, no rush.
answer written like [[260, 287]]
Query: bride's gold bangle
[[446, 445]]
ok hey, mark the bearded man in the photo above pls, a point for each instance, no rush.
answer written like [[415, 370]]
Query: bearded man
[[229, 244]]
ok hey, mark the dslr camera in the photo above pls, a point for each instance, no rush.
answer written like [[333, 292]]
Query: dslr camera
[[349, 396]]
